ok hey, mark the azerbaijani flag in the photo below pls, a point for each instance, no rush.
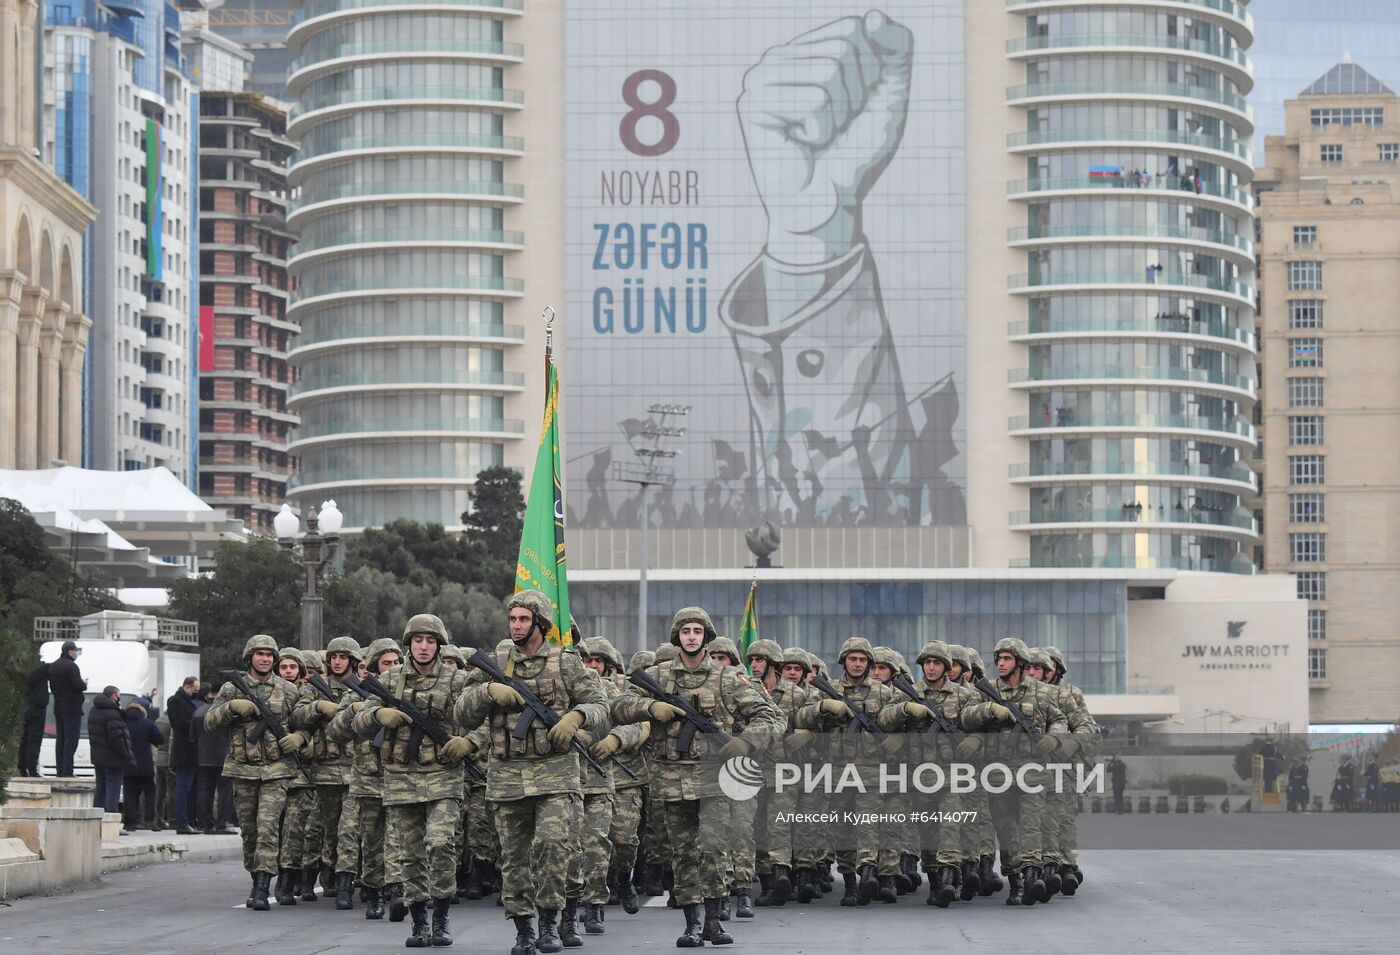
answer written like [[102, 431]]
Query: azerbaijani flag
[[541, 565], [748, 630], [1104, 172]]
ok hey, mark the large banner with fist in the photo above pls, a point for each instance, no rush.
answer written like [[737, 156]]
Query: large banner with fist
[[765, 223]]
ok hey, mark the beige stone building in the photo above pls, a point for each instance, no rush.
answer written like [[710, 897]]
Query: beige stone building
[[1329, 255], [43, 331]]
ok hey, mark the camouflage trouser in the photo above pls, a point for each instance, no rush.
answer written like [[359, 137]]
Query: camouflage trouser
[[653, 849], [938, 843], [625, 831], [741, 853], [294, 821], [370, 816], [858, 844], [699, 834], [809, 839], [537, 837], [773, 836], [259, 807], [978, 835], [314, 832], [480, 835], [1019, 818], [1060, 830], [340, 825], [420, 849], [588, 874]]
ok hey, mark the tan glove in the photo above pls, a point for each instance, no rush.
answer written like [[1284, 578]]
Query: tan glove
[[835, 709], [917, 711], [1046, 744], [290, 742], [561, 734], [243, 709], [1000, 713], [605, 747], [798, 740], [737, 746], [1069, 746], [665, 712], [392, 718], [457, 749], [893, 743], [646, 734], [357, 706], [326, 708], [968, 748], [505, 697]]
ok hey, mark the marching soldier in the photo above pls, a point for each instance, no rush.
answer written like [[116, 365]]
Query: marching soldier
[[807, 845], [628, 793], [697, 812], [301, 793], [979, 840], [773, 835], [259, 767], [422, 789], [1061, 831], [534, 786], [655, 849], [741, 872], [1019, 816], [330, 768]]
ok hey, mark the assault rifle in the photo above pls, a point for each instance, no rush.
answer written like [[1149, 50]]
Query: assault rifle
[[320, 686], [423, 724], [940, 722], [1023, 725], [267, 720], [694, 719], [535, 709], [860, 722]]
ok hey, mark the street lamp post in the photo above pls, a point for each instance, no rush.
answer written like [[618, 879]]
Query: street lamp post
[[313, 552]]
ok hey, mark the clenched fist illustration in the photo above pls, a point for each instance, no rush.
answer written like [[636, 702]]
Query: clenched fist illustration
[[821, 115]]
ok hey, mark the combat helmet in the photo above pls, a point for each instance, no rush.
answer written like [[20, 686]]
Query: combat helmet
[[667, 653], [886, 657], [726, 645], [974, 663], [380, 647], [426, 623], [259, 641], [766, 650], [602, 647], [538, 604], [935, 650], [346, 645], [1015, 646], [901, 664], [855, 645], [959, 654], [290, 653], [1056, 658], [640, 661], [455, 653], [799, 656], [1038, 657], [694, 615]]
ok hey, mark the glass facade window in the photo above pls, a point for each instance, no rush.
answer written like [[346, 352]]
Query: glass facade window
[[1349, 116], [1330, 152], [1317, 663], [1305, 313], [1306, 469], [1307, 548], [1312, 584], [1389, 152], [1304, 234], [1305, 392], [1308, 508], [1305, 429], [1317, 624], [1304, 276], [1305, 353]]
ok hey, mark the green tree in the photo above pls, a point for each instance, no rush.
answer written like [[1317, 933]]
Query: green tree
[[421, 553], [255, 588], [494, 522]]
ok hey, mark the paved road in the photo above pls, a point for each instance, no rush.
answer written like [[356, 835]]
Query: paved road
[[1133, 901]]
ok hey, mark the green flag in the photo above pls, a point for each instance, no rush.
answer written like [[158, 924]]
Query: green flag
[[748, 630], [541, 563]]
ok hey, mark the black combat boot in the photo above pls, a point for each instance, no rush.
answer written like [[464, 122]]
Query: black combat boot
[[1014, 894], [308, 883], [471, 885], [593, 920], [285, 891], [714, 932], [694, 927], [989, 882], [724, 908], [743, 903], [524, 935], [627, 892], [902, 885], [460, 890], [852, 896], [374, 906], [344, 890], [262, 884], [327, 879], [549, 932], [825, 878], [420, 937], [252, 887], [653, 886], [398, 908], [889, 894], [568, 925], [807, 888], [909, 864], [782, 884], [614, 893], [869, 883], [441, 938], [971, 882], [947, 890], [1069, 879], [1032, 886], [1053, 883], [765, 895]]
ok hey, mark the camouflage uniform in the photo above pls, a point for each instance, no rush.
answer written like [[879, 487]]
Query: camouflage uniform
[[422, 792], [655, 847], [979, 839], [772, 831], [696, 810], [534, 787], [1019, 816], [629, 797], [1061, 835], [740, 871], [259, 770]]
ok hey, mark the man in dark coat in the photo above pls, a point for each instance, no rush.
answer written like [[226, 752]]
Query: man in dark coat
[[109, 742], [141, 784], [36, 705], [184, 759], [212, 749], [68, 687]]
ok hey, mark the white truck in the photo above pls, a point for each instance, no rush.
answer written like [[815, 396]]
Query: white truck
[[141, 655]]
